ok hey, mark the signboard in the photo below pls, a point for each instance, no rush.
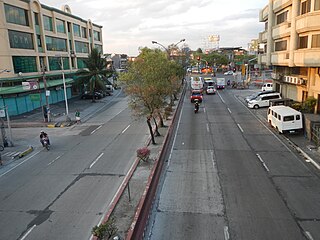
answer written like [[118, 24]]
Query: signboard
[[48, 93], [29, 85], [34, 97], [2, 113]]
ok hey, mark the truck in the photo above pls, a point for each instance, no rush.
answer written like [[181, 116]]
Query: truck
[[196, 83], [221, 82]]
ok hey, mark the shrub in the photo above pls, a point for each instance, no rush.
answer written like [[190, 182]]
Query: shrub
[[106, 230], [143, 153]]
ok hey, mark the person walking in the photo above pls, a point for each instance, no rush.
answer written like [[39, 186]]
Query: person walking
[[77, 114]]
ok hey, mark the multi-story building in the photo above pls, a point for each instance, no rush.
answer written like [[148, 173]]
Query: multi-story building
[[38, 42], [292, 47]]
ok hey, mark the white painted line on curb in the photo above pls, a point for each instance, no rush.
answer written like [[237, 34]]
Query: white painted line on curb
[[96, 129], [226, 233], [125, 129], [19, 164], [28, 232], [239, 127], [221, 97], [229, 110], [94, 162], [307, 158], [309, 236]]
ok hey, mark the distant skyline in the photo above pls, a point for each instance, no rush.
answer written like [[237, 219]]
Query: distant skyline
[[128, 25]]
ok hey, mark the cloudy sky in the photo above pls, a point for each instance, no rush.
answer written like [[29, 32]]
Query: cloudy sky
[[130, 24]]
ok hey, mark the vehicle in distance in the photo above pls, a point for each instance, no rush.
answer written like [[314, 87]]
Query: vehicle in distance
[[211, 90], [221, 82], [88, 95], [228, 73], [255, 95], [196, 94], [267, 87]]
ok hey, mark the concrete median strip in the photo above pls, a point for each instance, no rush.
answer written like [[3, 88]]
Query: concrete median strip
[[25, 152]]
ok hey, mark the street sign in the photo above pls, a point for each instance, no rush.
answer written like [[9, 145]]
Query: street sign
[[30, 85], [34, 97], [2, 113]]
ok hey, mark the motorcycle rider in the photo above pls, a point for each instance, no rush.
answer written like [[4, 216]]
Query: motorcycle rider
[[44, 136], [196, 105]]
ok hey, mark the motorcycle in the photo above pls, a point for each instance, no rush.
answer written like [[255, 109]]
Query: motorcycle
[[196, 107], [45, 142]]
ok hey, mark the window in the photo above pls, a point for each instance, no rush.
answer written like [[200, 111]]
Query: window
[[55, 63], [60, 26], [81, 62], [96, 36], [20, 40], [297, 117], [47, 23], [281, 45], [305, 7], [303, 42], [315, 41], [282, 17], [99, 47], [266, 26], [316, 5], [288, 118], [76, 30], [83, 32], [81, 47], [24, 64], [36, 19], [56, 44], [16, 15], [279, 117]]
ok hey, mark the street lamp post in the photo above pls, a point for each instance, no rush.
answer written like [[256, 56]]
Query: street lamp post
[[64, 88], [167, 50]]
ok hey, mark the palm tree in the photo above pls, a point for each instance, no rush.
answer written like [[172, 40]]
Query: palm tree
[[95, 74]]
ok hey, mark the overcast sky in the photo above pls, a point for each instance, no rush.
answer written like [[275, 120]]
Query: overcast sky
[[130, 24]]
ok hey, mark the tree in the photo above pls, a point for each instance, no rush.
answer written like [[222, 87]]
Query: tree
[[95, 73], [148, 84]]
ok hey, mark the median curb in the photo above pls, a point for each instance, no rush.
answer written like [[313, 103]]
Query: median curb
[[25, 152]]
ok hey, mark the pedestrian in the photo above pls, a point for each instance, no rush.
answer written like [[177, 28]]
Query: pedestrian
[[77, 114]]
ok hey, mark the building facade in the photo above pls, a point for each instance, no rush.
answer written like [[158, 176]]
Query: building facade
[[291, 41], [38, 42]]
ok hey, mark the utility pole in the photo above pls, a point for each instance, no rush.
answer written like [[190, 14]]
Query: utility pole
[[46, 93]]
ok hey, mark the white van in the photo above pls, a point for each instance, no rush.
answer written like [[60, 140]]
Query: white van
[[267, 87], [263, 100], [285, 119]]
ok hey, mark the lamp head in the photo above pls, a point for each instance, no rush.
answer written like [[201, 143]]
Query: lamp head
[[154, 42]]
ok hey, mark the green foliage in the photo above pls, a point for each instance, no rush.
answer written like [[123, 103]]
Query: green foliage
[[297, 106], [106, 230], [309, 105]]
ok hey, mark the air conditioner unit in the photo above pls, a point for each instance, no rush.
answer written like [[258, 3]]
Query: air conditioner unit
[[286, 78], [294, 80]]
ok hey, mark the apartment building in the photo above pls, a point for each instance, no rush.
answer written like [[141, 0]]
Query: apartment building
[[291, 42], [38, 42]]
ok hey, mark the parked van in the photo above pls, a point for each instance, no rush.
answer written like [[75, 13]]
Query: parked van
[[285, 119], [255, 95], [267, 87], [263, 100]]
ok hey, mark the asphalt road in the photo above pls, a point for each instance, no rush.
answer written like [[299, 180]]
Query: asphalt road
[[231, 177], [63, 193]]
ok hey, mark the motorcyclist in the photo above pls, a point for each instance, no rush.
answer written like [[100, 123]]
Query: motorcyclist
[[196, 105], [44, 136]]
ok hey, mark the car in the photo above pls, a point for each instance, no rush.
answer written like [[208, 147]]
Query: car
[[211, 90], [267, 87], [88, 95], [196, 94], [263, 100], [228, 73], [257, 94]]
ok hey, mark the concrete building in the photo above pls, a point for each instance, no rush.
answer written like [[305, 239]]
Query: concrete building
[[291, 42], [37, 43]]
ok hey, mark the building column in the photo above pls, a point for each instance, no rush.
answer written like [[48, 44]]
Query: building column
[[293, 34], [270, 42]]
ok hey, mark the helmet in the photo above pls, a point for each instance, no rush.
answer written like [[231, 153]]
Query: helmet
[[41, 131]]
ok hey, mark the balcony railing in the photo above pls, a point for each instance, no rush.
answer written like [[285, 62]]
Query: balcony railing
[[308, 57], [281, 30], [280, 58], [309, 21]]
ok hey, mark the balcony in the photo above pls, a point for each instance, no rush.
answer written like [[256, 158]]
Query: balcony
[[280, 4], [309, 57], [263, 37], [263, 14], [280, 58], [308, 22], [281, 30], [262, 58]]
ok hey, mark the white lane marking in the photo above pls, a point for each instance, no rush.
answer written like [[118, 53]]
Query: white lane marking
[[28, 232], [309, 236], [125, 129], [263, 163], [19, 164], [212, 157], [229, 110], [96, 129], [94, 162], [240, 127], [204, 110], [208, 130], [174, 139], [54, 160], [221, 97], [226, 233]]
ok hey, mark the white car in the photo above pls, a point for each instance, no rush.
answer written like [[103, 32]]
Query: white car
[[211, 90], [228, 73]]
